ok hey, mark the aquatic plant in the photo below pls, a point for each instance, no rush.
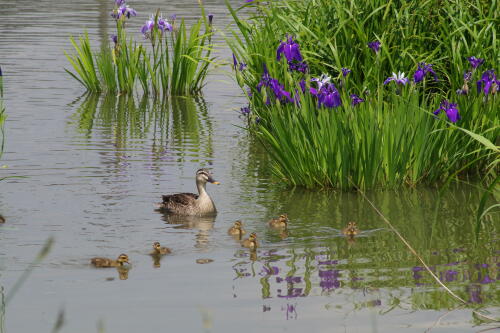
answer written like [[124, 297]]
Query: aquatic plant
[[385, 137], [175, 63]]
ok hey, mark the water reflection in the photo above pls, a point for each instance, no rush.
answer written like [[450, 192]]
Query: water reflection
[[178, 128], [374, 269], [203, 224]]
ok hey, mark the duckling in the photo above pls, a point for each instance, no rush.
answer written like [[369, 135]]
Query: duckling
[[236, 229], [280, 222], [2, 219], [159, 250], [189, 203], [351, 230], [105, 262], [251, 242]]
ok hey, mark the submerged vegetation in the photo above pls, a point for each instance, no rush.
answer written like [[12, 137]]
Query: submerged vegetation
[[175, 62], [331, 113]]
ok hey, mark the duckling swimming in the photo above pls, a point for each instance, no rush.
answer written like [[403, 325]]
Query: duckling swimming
[[105, 262], [189, 203], [2, 219], [280, 222], [351, 230], [159, 250], [236, 229], [251, 242]]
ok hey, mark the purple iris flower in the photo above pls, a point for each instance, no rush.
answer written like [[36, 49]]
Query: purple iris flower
[[238, 65], [277, 88], [148, 26], [345, 71], [327, 93], [398, 78], [119, 2], [488, 82], [355, 99], [114, 38], [161, 25], [467, 76], [290, 49], [245, 110], [123, 10], [450, 109], [173, 17], [302, 85], [210, 18], [475, 62], [422, 71], [375, 46], [298, 66]]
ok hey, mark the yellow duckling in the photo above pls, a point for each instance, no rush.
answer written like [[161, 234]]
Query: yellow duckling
[[236, 229], [159, 250], [251, 242], [280, 222], [105, 262], [351, 230]]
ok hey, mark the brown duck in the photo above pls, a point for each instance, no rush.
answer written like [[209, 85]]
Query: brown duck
[[189, 203], [251, 241], [105, 262], [159, 250], [236, 229], [280, 222], [350, 230]]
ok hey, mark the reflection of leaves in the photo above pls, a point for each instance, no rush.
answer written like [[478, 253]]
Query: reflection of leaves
[[179, 121]]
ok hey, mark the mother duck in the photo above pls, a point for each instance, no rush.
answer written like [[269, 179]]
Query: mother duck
[[189, 203]]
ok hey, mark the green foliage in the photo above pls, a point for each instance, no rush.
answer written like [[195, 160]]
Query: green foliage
[[176, 63], [392, 138]]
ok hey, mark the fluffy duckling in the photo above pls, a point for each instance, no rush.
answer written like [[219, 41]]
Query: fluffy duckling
[[280, 222], [105, 262], [236, 229], [251, 241], [351, 230], [2, 219], [160, 250]]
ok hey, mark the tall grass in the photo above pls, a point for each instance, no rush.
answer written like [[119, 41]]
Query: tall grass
[[392, 138], [175, 63]]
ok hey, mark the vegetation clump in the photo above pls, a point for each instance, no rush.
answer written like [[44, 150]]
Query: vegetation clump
[[330, 97], [175, 63]]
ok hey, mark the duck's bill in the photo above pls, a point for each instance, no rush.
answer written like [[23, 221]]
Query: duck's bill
[[213, 181]]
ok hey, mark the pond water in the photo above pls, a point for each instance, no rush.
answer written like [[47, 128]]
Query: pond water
[[93, 167]]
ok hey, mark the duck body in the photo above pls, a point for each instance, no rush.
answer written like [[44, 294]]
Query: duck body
[[280, 222], [351, 230], [236, 229], [159, 250], [189, 203], [251, 242], [106, 262]]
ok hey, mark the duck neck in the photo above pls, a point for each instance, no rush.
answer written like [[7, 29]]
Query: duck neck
[[201, 189]]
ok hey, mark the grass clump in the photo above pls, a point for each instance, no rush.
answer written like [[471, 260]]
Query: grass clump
[[175, 63], [318, 78]]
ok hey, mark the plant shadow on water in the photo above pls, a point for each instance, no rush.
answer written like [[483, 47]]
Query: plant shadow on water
[[375, 270]]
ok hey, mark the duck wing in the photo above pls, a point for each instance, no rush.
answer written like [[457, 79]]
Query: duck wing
[[179, 199]]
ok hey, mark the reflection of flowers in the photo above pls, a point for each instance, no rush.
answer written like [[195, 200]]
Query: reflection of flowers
[[289, 279], [329, 279], [291, 311], [474, 294], [268, 271]]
